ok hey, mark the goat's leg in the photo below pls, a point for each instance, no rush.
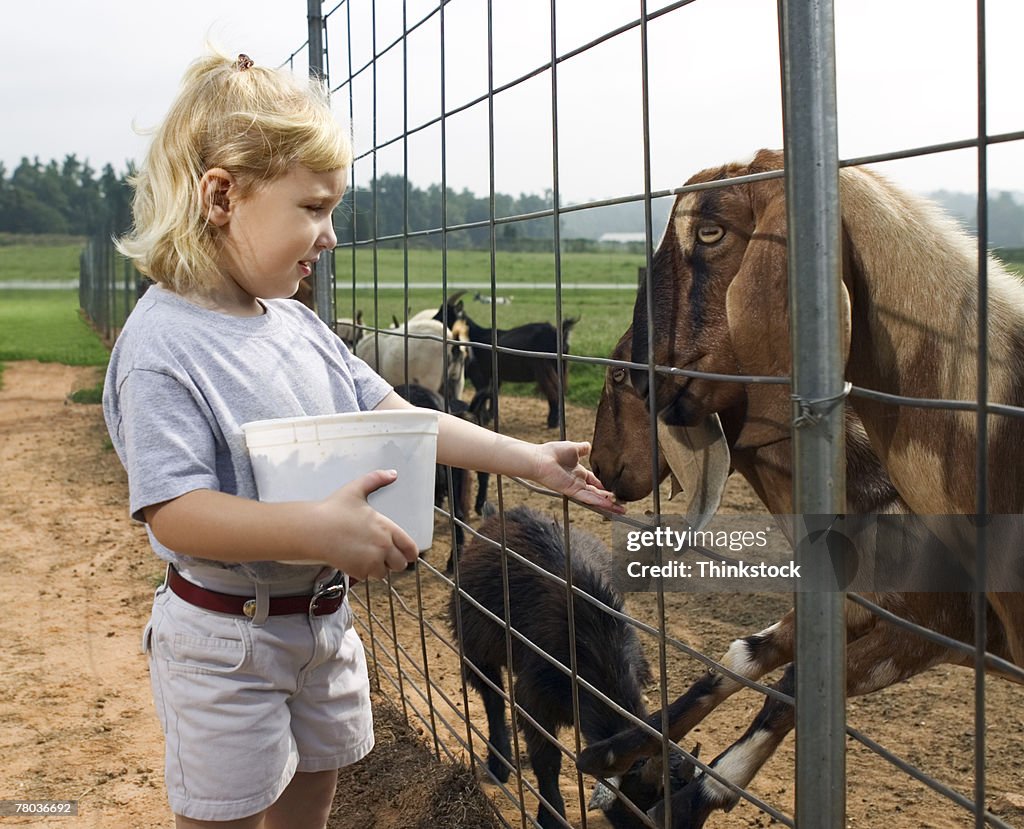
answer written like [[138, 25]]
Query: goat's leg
[[751, 657], [460, 509], [497, 728], [694, 803], [546, 760], [481, 406], [547, 380], [1009, 607], [481, 506], [882, 657]]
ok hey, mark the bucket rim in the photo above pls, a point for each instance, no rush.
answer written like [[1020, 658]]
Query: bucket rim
[[428, 416]]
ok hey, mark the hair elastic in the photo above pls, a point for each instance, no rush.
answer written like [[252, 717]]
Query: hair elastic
[[244, 62]]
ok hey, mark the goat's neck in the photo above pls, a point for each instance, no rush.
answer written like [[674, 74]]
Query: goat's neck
[[913, 285], [768, 470]]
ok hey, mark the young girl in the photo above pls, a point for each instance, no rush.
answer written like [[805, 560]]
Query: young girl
[[259, 679]]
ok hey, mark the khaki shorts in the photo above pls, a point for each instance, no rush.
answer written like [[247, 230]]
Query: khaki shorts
[[244, 706]]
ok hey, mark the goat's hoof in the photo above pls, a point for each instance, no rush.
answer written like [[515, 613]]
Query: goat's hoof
[[486, 510], [548, 820], [497, 769]]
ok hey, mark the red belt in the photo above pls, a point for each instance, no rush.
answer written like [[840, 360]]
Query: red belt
[[322, 603]]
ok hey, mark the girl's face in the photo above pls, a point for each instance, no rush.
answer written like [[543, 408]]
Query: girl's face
[[272, 236]]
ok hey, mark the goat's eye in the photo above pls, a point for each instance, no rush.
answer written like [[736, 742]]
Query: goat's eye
[[618, 375], [709, 234]]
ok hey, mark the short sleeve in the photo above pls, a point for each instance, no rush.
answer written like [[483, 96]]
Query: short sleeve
[[370, 387], [168, 443]]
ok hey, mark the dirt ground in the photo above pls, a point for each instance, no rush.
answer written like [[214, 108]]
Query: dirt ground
[[77, 720]]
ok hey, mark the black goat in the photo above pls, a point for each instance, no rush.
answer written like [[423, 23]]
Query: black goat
[[608, 655], [429, 399], [540, 337]]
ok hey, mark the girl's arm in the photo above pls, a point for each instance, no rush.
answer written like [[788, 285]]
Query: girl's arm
[[555, 465], [342, 530]]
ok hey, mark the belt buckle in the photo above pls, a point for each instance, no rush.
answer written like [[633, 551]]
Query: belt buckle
[[327, 592]]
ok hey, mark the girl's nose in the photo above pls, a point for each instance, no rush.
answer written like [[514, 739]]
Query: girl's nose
[[328, 239]]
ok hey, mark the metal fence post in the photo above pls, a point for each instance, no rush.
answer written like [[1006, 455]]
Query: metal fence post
[[812, 192], [323, 277]]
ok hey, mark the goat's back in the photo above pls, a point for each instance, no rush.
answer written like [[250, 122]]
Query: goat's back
[[424, 357], [539, 607]]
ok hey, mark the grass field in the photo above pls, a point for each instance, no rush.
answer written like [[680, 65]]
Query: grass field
[[604, 314], [528, 279], [47, 326], [44, 325], [475, 266], [22, 259], [603, 317]]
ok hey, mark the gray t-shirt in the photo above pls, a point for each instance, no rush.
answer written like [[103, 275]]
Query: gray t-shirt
[[183, 379]]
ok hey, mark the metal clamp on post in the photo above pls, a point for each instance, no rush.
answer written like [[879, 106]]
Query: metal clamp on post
[[811, 411]]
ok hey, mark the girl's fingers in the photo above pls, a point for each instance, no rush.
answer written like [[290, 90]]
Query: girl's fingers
[[396, 560]]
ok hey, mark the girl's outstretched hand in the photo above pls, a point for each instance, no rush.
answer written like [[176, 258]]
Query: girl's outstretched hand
[[559, 468]]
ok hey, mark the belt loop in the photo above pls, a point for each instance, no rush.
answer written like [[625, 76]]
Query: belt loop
[[262, 604]]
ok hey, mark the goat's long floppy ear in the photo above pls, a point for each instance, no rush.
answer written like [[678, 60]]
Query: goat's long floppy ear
[[699, 459], [757, 300], [676, 486]]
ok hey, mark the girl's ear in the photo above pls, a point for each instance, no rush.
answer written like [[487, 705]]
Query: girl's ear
[[214, 195]]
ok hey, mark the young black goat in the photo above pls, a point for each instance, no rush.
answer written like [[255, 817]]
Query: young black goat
[[608, 654], [540, 337]]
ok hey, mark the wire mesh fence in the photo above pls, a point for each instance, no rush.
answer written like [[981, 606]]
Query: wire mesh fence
[[447, 93], [108, 286]]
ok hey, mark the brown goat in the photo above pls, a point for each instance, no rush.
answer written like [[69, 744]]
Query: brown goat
[[879, 653], [909, 291]]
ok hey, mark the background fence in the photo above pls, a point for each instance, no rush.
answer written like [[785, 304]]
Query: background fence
[[441, 94]]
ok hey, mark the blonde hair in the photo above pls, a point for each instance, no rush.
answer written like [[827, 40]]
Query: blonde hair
[[252, 121]]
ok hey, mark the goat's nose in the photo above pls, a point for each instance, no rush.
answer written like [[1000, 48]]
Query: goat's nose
[[607, 474]]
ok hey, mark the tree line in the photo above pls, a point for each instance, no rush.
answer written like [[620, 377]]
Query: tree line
[[71, 197], [386, 205], [68, 197], [381, 210], [1005, 215]]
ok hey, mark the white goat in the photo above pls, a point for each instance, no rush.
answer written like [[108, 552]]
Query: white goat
[[351, 331], [426, 355], [425, 314]]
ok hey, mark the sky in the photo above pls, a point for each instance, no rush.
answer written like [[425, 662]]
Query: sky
[[90, 78]]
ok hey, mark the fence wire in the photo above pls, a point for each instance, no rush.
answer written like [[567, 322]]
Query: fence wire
[[409, 668], [444, 230]]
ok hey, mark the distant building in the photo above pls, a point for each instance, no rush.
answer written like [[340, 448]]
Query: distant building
[[622, 238]]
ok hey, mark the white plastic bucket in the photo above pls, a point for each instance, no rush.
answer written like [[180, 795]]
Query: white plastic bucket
[[307, 458]]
